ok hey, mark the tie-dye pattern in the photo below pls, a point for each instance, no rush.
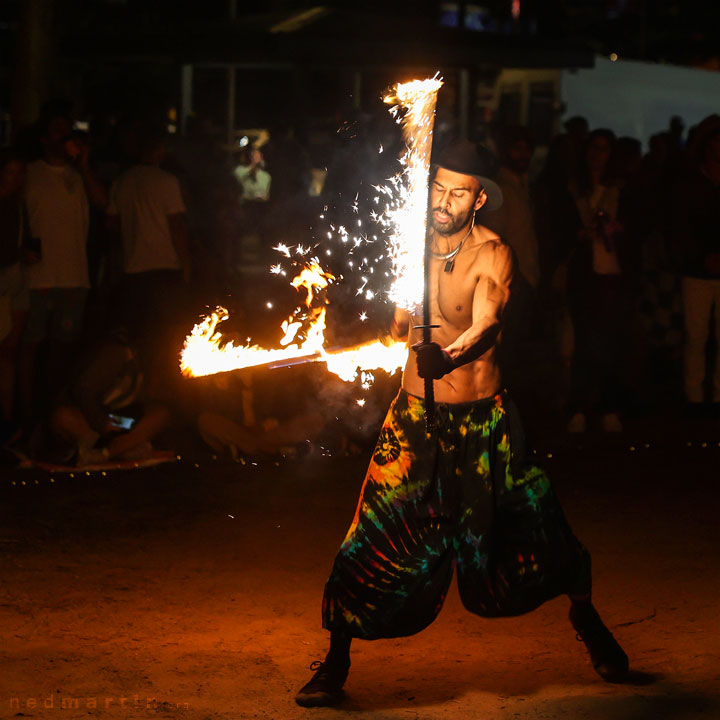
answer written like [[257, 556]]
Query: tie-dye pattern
[[466, 496]]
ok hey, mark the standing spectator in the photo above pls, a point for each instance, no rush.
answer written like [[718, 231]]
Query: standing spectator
[[13, 281], [57, 189], [599, 290], [514, 223], [253, 177], [514, 220], [147, 209], [254, 182], [695, 232]]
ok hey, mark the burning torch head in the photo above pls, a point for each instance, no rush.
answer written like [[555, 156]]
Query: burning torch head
[[468, 158]]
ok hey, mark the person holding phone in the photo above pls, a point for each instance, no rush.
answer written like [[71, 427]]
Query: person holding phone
[[106, 413]]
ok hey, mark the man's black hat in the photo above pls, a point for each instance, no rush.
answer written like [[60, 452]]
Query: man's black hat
[[469, 158]]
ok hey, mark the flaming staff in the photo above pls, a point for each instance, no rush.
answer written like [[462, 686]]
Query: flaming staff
[[420, 97], [205, 351]]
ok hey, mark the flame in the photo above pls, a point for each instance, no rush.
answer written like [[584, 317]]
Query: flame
[[313, 278], [372, 356], [205, 354], [404, 216]]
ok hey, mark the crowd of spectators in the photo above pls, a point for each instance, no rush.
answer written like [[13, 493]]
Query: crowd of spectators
[[111, 243], [617, 255]]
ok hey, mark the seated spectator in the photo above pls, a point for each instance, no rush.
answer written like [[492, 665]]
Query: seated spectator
[[104, 414], [238, 431]]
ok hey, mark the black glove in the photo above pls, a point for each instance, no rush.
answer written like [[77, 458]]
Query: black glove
[[432, 361]]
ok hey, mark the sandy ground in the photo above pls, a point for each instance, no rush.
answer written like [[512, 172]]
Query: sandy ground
[[193, 590]]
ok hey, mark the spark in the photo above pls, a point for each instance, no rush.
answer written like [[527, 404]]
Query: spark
[[282, 248], [400, 211]]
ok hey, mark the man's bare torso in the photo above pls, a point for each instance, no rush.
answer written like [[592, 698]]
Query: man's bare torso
[[461, 303]]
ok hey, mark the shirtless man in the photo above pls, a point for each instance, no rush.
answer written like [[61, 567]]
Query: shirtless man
[[464, 495]]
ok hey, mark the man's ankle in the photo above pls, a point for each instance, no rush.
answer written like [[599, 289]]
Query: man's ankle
[[339, 652], [338, 658]]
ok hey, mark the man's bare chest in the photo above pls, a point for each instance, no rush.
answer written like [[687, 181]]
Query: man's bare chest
[[451, 295]]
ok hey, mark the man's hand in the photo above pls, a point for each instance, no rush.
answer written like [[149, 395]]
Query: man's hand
[[432, 361]]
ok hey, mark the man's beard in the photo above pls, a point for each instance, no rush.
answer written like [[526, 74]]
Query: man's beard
[[455, 222]]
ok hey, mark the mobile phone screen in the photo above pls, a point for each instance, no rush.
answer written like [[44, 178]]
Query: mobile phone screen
[[124, 422]]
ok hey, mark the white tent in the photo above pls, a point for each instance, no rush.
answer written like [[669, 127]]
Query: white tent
[[638, 99]]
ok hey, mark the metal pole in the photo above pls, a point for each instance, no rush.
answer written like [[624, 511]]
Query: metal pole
[[427, 337], [230, 105]]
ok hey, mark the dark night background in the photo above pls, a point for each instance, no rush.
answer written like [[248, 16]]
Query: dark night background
[[192, 589]]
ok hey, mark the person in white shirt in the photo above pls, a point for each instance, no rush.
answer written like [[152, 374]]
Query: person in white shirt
[[58, 189], [147, 210], [146, 205]]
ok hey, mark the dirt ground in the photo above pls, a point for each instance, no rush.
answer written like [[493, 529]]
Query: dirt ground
[[193, 590]]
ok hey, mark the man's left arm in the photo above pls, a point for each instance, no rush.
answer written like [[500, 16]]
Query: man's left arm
[[489, 300], [491, 295]]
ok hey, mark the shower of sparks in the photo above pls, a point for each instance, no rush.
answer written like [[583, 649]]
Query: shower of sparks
[[400, 211], [406, 213]]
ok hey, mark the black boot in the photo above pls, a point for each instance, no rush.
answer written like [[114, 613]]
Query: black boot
[[325, 686], [606, 655]]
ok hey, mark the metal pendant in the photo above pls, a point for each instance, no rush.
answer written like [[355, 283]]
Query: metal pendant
[[449, 265]]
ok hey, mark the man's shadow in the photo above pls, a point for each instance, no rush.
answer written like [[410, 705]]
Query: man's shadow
[[432, 683]]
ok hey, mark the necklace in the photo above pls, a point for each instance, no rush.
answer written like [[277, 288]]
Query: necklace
[[450, 257]]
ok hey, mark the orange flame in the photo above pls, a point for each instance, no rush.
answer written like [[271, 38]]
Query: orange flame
[[205, 354]]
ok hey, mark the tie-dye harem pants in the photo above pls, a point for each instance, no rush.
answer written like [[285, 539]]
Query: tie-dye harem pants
[[466, 496]]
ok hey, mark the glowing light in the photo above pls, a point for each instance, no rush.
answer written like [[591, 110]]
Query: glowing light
[[406, 212], [401, 212], [204, 352]]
